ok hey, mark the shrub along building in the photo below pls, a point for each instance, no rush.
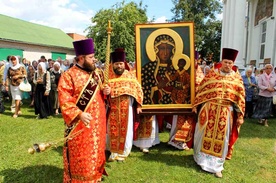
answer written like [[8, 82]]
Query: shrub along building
[[31, 41]]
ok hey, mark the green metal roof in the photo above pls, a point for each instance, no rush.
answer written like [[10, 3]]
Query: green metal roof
[[22, 31]]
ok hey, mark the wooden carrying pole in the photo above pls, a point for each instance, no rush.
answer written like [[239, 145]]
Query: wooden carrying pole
[[107, 57]]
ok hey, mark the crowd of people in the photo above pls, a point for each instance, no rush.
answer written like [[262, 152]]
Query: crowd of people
[[102, 115], [43, 76]]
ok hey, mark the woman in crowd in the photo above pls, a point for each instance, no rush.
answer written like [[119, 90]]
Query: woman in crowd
[[2, 88], [25, 62], [43, 107], [267, 88], [206, 70], [257, 73], [249, 83], [50, 64], [15, 75], [66, 65], [34, 64], [30, 77], [55, 74]]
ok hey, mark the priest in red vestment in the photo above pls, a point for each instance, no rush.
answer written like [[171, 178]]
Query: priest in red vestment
[[125, 103], [220, 102], [81, 97]]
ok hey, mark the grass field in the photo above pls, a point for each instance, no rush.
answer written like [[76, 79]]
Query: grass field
[[254, 158]]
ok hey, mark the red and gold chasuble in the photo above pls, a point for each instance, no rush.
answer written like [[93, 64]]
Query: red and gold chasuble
[[122, 87], [145, 127], [185, 129], [84, 154], [217, 93], [199, 77]]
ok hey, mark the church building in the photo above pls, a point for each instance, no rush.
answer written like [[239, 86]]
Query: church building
[[250, 27]]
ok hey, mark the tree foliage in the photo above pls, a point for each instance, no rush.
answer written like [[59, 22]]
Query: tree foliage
[[207, 28], [123, 18]]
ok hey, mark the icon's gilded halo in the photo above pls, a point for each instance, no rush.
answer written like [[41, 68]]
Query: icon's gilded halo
[[178, 47], [179, 56]]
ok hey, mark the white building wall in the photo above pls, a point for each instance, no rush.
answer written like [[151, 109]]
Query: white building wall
[[233, 27], [274, 36], [274, 40], [253, 48], [234, 32], [34, 52], [255, 36], [34, 55], [269, 38], [254, 44]]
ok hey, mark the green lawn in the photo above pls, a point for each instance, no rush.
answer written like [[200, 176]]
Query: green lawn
[[254, 158]]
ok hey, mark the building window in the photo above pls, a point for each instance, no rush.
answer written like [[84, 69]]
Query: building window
[[263, 38]]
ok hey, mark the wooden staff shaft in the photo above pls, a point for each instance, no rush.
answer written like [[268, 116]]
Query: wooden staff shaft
[[107, 57]]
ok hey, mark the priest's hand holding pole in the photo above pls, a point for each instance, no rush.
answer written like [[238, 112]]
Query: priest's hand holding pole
[[106, 89], [139, 109]]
